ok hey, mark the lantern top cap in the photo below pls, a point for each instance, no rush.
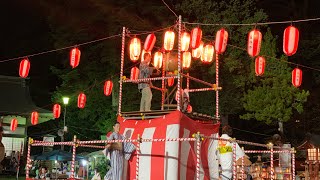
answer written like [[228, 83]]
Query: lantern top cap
[[65, 100]]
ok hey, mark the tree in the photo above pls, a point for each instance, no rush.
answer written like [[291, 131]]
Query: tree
[[241, 89], [80, 22], [273, 98], [234, 64]]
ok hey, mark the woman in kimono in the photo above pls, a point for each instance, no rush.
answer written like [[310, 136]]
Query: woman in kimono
[[118, 153]]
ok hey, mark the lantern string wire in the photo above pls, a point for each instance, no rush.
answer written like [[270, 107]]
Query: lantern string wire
[[85, 43], [253, 24], [40, 134], [279, 59], [169, 8], [282, 60], [145, 32], [148, 32], [77, 132], [59, 49], [87, 129], [242, 130], [74, 95]]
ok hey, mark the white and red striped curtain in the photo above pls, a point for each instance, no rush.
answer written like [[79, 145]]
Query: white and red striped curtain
[[171, 159]]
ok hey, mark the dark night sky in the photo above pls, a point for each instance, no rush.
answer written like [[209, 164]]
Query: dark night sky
[[25, 31]]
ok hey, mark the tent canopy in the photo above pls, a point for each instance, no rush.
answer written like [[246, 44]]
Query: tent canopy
[[58, 155], [96, 154]]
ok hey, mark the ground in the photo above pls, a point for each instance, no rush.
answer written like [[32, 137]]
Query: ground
[[11, 177]]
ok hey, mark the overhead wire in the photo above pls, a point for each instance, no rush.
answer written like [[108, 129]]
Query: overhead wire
[[251, 132], [169, 8], [148, 32], [40, 134], [83, 128], [254, 24], [279, 59], [161, 29], [77, 45], [59, 49], [80, 134]]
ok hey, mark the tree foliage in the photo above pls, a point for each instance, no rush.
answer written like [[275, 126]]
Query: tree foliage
[[81, 22], [269, 98], [273, 97]]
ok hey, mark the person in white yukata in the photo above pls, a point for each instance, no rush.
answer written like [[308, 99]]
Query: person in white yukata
[[118, 153], [225, 155]]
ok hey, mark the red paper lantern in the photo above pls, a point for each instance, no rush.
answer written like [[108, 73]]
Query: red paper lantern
[[149, 42], [82, 99], [170, 80], [24, 68], [185, 41], [14, 124], [260, 64], [56, 110], [189, 108], [157, 59], [108, 85], [297, 77], [196, 36], [135, 49], [134, 75], [221, 41], [34, 118], [196, 53], [207, 54], [290, 40], [254, 42], [168, 40], [186, 59], [75, 57]]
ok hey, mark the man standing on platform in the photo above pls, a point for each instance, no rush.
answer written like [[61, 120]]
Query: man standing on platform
[[144, 87]]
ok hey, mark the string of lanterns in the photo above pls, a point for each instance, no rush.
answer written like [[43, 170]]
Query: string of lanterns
[[207, 52], [198, 51]]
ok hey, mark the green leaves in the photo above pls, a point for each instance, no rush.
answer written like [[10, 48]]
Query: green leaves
[[100, 61], [269, 98]]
